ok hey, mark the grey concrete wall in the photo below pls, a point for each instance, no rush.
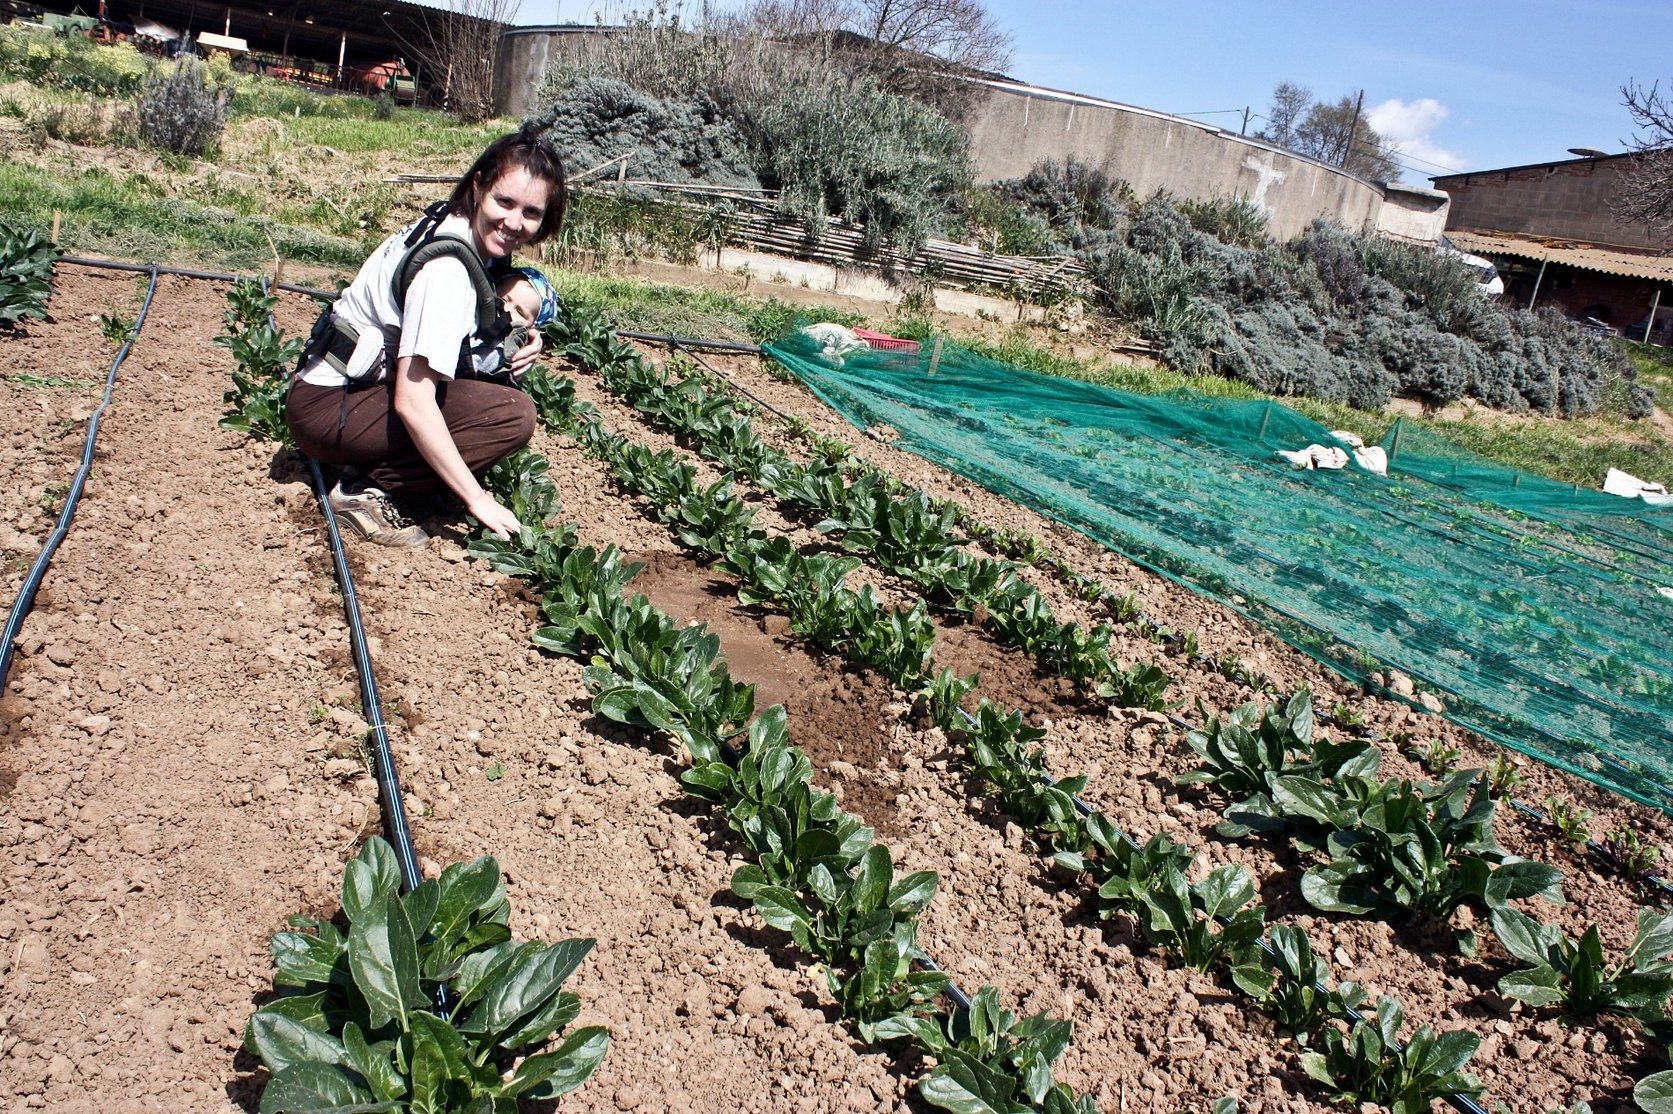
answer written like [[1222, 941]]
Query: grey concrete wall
[[1412, 213], [1570, 200], [1014, 126], [524, 56]]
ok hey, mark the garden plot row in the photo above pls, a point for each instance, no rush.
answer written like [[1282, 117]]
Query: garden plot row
[[171, 734], [1573, 1042]]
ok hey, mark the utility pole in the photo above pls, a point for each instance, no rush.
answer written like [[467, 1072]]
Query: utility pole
[[1244, 130], [1353, 130]]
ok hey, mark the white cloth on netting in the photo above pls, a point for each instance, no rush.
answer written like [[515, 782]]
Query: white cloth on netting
[[1628, 486], [1369, 457], [835, 341]]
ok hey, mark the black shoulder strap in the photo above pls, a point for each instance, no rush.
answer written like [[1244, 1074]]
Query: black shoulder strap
[[424, 245]]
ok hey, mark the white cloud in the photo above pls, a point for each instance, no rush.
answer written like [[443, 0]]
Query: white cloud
[[1409, 127]]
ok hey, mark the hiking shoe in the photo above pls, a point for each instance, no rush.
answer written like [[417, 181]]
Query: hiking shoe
[[373, 513]]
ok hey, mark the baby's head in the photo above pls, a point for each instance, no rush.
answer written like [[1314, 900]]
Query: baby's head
[[528, 297]]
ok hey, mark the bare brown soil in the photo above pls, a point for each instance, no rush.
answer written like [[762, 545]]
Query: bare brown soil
[[179, 772]]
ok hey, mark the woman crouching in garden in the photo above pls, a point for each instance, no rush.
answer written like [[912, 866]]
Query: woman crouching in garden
[[405, 384]]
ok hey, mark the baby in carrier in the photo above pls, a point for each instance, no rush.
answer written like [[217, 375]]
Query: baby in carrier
[[532, 304]]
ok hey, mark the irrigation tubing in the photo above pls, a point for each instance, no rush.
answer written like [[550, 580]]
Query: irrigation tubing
[[383, 761], [37, 571], [212, 276], [1462, 1103]]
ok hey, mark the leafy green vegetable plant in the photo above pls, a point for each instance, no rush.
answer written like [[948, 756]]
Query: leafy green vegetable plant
[[359, 1023], [26, 260], [1569, 821], [1632, 855], [1362, 1066], [263, 356], [1420, 853], [1149, 883], [989, 1060], [1575, 976], [1287, 981]]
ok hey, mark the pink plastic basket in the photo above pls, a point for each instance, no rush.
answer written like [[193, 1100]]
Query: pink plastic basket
[[886, 342]]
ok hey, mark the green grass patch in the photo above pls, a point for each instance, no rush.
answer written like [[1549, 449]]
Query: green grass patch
[[133, 218], [32, 382], [706, 314]]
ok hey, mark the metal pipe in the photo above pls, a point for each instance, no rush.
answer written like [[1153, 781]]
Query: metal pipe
[[1537, 280], [1650, 322]]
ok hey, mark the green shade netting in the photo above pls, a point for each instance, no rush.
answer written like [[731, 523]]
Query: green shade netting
[[1531, 605]]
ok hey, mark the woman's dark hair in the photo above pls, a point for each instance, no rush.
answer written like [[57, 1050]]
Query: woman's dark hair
[[523, 149]]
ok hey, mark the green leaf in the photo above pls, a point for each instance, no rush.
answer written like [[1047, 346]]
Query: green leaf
[[913, 893], [1451, 1051], [781, 908], [549, 1075], [466, 891], [303, 960], [314, 1088], [528, 983], [420, 906], [384, 962], [1522, 936], [368, 877], [955, 1087], [307, 1009], [1654, 1093], [429, 1075], [872, 880], [373, 1063], [281, 1041], [542, 1023], [454, 1048]]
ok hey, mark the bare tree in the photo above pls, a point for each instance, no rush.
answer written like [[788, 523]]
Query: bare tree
[[456, 47], [1645, 195], [1289, 105], [1333, 133], [907, 46]]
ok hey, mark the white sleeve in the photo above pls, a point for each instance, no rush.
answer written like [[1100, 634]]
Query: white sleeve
[[440, 313]]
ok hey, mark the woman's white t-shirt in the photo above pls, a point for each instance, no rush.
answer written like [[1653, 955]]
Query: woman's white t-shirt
[[440, 311]]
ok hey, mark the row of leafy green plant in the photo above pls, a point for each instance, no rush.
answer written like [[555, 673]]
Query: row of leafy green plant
[[1395, 849], [903, 530], [425, 1002], [1204, 924], [1406, 851], [819, 873]]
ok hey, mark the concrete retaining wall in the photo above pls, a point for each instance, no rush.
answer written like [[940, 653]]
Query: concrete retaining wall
[[1016, 126]]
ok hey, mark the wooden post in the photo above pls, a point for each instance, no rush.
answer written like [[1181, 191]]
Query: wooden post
[[342, 48], [1648, 325], [935, 356], [56, 217]]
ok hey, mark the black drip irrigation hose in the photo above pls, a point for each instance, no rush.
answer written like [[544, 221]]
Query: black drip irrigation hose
[[383, 761], [212, 276], [37, 571], [1462, 1103]]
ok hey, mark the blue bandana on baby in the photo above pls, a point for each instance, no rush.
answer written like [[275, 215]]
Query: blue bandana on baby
[[548, 297]]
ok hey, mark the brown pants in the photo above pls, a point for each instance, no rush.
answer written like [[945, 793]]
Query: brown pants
[[488, 421]]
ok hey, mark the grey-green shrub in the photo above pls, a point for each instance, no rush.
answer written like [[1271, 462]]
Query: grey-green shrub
[[182, 110], [683, 139], [863, 154]]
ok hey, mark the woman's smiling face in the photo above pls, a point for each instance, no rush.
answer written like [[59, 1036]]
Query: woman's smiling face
[[508, 212]]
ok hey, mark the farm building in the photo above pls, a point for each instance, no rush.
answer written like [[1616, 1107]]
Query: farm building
[[358, 45], [1551, 230]]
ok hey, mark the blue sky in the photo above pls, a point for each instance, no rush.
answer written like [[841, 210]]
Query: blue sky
[[1465, 85]]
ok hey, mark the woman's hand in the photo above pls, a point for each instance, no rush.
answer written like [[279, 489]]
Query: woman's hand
[[417, 407], [488, 511], [524, 357]]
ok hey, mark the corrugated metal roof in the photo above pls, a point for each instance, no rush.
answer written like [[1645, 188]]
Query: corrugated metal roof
[[1570, 253]]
